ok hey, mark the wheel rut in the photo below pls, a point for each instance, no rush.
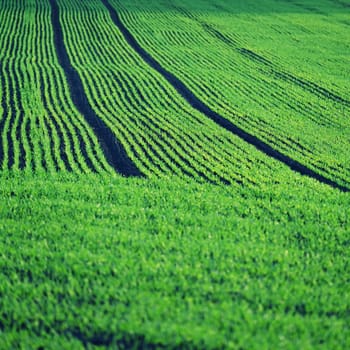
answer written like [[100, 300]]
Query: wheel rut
[[113, 149], [199, 105]]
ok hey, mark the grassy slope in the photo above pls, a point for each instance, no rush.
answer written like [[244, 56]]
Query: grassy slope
[[94, 260], [98, 261]]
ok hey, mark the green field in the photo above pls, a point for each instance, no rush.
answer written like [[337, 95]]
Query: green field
[[174, 174]]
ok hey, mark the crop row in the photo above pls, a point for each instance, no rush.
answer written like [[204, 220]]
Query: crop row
[[257, 95], [42, 122], [266, 63], [161, 132], [295, 40], [40, 127]]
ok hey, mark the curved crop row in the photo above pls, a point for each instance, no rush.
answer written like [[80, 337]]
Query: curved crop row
[[309, 39], [39, 126], [265, 63], [162, 134], [297, 122]]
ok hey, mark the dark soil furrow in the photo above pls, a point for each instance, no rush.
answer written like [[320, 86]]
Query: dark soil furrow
[[11, 117], [19, 138], [77, 125], [196, 103], [4, 113], [113, 149]]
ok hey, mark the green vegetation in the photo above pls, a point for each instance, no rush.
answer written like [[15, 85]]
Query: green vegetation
[[163, 134], [40, 127], [101, 260], [250, 61], [219, 245]]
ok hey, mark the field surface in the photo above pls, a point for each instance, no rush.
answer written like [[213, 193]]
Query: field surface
[[174, 174]]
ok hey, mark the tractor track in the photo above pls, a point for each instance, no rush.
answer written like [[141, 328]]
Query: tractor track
[[112, 148], [199, 105]]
